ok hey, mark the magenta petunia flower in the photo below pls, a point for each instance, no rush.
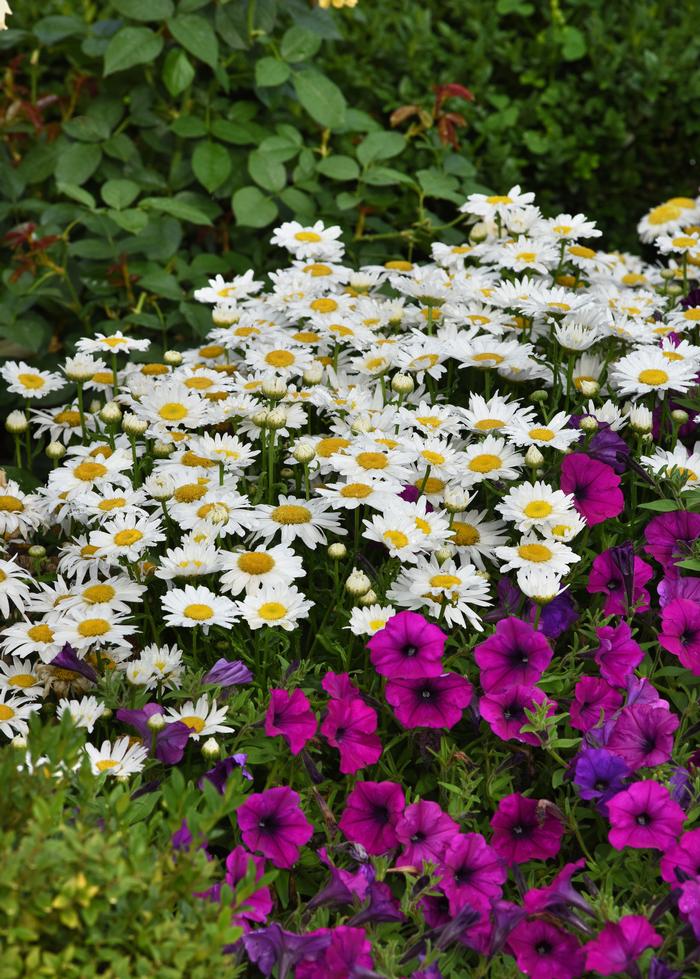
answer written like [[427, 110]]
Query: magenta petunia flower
[[689, 905], [344, 886], [434, 701], [526, 829], [643, 735], [350, 726], [371, 813], [257, 905], [504, 712], [349, 953], [684, 856], [680, 632], [644, 815], [472, 873], [168, 744], [559, 894], [669, 588], [291, 716], [624, 592], [408, 646], [515, 655], [273, 823], [619, 945], [594, 486], [425, 831], [339, 686], [591, 696], [670, 536], [618, 654], [544, 951]]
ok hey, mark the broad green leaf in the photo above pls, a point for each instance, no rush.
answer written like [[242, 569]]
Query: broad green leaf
[[270, 72], [77, 194], [384, 176], [279, 148], [177, 71], [130, 219], [690, 564], [211, 163], [321, 98], [131, 46], [77, 163], [119, 193], [435, 183], [266, 172], [252, 208], [176, 208], [144, 9], [189, 127], [299, 44], [380, 146], [574, 43], [339, 167], [51, 30], [197, 36], [660, 506]]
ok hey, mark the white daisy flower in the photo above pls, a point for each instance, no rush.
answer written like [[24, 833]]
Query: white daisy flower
[[493, 415], [493, 458], [26, 638], [14, 713], [28, 381], [171, 404], [100, 625], [449, 588], [111, 343], [14, 587], [220, 290], [189, 561], [398, 533], [370, 619], [274, 605], [119, 759], [20, 513], [19, 677], [647, 371], [531, 551], [542, 585], [316, 241], [198, 606], [127, 536], [535, 505], [204, 718], [163, 663], [475, 538], [554, 434], [248, 570], [85, 712], [293, 518], [497, 205], [680, 461]]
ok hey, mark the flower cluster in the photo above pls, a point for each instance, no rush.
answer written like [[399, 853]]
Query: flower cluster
[[412, 550]]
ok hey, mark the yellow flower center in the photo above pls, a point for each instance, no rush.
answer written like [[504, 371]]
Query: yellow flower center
[[31, 381], [199, 383], [255, 563], [398, 266], [106, 764], [93, 627], [543, 434], [445, 581], [430, 421], [652, 377], [465, 535], [194, 723], [686, 203], [423, 525], [487, 358], [154, 370], [305, 336], [537, 553], [22, 680], [485, 463], [103, 377], [684, 241], [668, 354], [115, 503], [664, 213], [499, 199], [536, 509], [434, 458], [488, 424], [692, 314], [431, 485], [291, 513], [324, 305], [87, 471], [114, 341], [6, 713], [88, 550], [125, 538], [10, 504], [356, 491], [279, 358], [40, 633], [561, 530], [191, 459], [562, 229], [198, 612], [376, 624], [212, 351], [312, 236], [526, 256], [173, 411], [396, 538], [372, 460], [318, 269], [96, 594], [67, 417], [190, 492], [272, 611]]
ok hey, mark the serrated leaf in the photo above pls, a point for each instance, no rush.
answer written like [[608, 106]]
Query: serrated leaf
[[119, 193], [211, 163], [252, 208], [77, 163], [197, 36], [270, 72], [176, 208], [321, 98], [131, 46], [177, 71], [267, 172]]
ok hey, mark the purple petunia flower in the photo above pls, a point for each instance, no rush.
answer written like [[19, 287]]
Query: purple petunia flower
[[644, 815], [434, 701], [408, 647], [621, 583], [272, 946], [599, 774], [594, 486], [560, 893], [228, 673], [344, 886], [556, 616], [591, 696], [680, 632], [273, 823], [607, 447], [67, 659], [168, 744], [545, 951], [516, 654], [670, 588], [683, 856], [504, 712], [618, 654], [382, 906], [472, 873], [619, 945], [371, 813], [347, 954], [670, 536], [643, 735], [221, 772], [350, 726], [526, 829], [291, 716], [425, 831]]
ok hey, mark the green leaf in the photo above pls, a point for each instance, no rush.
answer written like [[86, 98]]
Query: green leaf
[[339, 167], [384, 176], [268, 173], [197, 36], [176, 208], [574, 43], [345, 200], [252, 208], [131, 46], [26, 479], [380, 146], [690, 564], [270, 72], [150, 10], [660, 506], [51, 30], [77, 194], [279, 148], [189, 127], [77, 163], [119, 193], [160, 283], [435, 183], [177, 71], [130, 220], [299, 44], [321, 98], [211, 163], [514, 7]]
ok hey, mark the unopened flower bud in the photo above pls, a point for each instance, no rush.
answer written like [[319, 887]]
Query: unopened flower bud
[[533, 457], [304, 452], [276, 419], [358, 583], [286, 472], [588, 424], [668, 274], [156, 722], [173, 358], [444, 553], [369, 598], [589, 388], [313, 373], [337, 551], [456, 500], [16, 422], [133, 425], [274, 388], [218, 515], [161, 450], [55, 450], [160, 486], [210, 748], [402, 384], [640, 419], [679, 416], [95, 406], [81, 368], [675, 290], [539, 396], [479, 232], [225, 315], [361, 425], [111, 413], [19, 741], [37, 551]]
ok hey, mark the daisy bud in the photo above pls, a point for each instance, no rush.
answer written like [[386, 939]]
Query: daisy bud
[[640, 419], [133, 425], [111, 413], [479, 232], [304, 452], [533, 457], [173, 358], [37, 551], [402, 384], [361, 425], [588, 424], [675, 290], [274, 388], [369, 598], [679, 416], [286, 472], [456, 500], [276, 419], [156, 722], [218, 515], [55, 450], [159, 486], [589, 388], [161, 450], [94, 406], [107, 713], [16, 422], [259, 419], [210, 748], [337, 551], [19, 741], [668, 274], [443, 554], [80, 368], [358, 583], [224, 315], [539, 396], [313, 373]]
